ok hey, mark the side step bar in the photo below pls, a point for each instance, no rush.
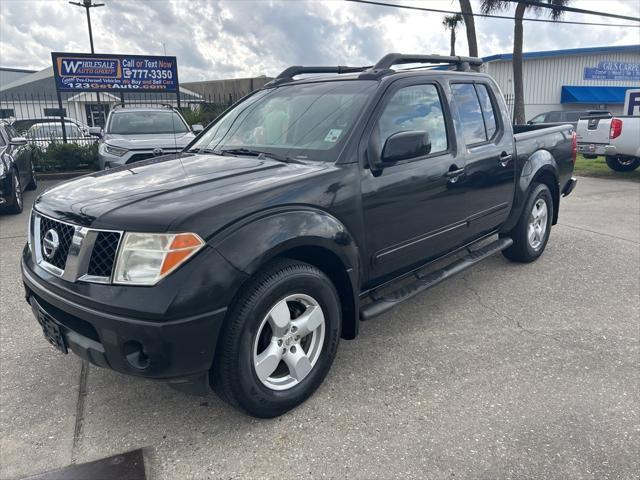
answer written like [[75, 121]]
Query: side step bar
[[425, 281]]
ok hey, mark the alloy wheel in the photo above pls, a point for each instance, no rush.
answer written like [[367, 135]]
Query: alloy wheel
[[289, 342], [537, 224]]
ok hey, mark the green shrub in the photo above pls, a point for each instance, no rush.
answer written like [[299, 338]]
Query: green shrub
[[65, 157], [203, 113]]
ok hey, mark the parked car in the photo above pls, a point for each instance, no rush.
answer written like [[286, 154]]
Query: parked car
[[44, 134], [564, 116], [23, 125], [17, 172], [312, 204], [133, 134], [615, 138]]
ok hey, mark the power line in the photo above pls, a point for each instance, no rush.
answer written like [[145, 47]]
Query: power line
[[561, 8], [505, 17]]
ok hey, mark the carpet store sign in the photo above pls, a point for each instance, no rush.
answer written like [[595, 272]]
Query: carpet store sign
[[98, 72], [613, 71]]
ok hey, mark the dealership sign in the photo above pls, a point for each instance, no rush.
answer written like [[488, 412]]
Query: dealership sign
[[613, 71], [101, 72]]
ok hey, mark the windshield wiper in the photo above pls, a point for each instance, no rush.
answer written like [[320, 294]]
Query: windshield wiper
[[258, 153], [201, 150]]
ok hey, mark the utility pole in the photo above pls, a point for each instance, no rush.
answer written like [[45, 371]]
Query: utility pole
[[87, 5]]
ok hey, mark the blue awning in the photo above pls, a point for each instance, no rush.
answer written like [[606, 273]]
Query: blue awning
[[575, 94]]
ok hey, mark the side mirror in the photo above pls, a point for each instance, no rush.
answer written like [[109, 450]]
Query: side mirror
[[18, 141], [404, 145], [95, 131], [197, 128]]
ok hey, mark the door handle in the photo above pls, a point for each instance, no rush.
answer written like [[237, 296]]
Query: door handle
[[505, 158]]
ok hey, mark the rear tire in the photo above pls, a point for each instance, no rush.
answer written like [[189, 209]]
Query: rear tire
[[621, 163], [531, 233], [259, 365]]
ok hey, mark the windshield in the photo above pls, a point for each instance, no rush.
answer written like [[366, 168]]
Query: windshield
[[304, 121], [151, 122]]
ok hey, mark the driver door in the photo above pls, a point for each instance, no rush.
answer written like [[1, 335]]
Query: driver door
[[412, 209]]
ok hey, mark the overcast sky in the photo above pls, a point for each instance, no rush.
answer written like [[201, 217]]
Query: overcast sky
[[238, 38]]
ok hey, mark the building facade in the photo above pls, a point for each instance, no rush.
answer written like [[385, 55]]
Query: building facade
[[576, 79]]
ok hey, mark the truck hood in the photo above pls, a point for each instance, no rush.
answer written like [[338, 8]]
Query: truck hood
[[158, 194], [139, 142]]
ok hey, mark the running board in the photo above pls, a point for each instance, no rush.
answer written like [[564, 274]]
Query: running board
[[425, 281]]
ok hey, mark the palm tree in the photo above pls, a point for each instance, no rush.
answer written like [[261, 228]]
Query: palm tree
[[470, 25], [451, 22], [490, 6]]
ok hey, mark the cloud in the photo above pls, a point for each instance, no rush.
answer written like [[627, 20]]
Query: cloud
[[235, 38]]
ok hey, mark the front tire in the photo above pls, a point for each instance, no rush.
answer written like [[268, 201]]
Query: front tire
[[531, 233], [16, 204], [279, 340], [620, 163]]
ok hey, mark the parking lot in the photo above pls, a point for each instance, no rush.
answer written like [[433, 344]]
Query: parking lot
[[506, 371]]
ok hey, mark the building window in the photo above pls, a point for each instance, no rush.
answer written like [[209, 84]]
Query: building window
[[55, 112], [7, 113]]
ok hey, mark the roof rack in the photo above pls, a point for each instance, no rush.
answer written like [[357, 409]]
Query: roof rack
[[383, 66], [288, 74], [463, 64]]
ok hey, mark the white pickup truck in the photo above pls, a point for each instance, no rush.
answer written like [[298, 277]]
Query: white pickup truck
[[617, 138]]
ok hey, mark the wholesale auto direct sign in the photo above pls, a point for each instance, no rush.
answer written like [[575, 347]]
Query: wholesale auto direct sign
[[102, 72]]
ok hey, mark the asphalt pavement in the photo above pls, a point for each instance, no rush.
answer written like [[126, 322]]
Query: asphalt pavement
[[505, 371]]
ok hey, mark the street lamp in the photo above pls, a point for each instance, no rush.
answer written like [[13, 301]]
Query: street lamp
[[86, 4]]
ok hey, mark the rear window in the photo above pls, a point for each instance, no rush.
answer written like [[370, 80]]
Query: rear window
[[573, 116]]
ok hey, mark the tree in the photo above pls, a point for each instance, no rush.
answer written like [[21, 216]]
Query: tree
[[470, 25], [451, 22], [491, 6]]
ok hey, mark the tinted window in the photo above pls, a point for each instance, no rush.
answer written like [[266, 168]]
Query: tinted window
[[573, 116], [488, 110], [146, 123], [470, 113], [553, 117], [415, 108]]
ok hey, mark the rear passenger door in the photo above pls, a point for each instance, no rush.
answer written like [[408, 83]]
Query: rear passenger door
[[487, 138]]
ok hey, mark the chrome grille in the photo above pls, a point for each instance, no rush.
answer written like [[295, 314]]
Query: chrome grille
[[103, 256], [73, 252]]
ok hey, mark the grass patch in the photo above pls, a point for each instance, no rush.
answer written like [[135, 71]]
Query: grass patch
[[598, 168]]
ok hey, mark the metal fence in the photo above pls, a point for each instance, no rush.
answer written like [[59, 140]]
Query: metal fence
[[38, 116]]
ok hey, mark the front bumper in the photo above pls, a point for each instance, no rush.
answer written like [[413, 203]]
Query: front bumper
[[179, 351]]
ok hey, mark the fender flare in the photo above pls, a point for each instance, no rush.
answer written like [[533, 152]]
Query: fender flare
[[252, 242], [540, 165]]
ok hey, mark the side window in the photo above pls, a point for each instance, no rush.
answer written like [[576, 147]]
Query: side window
[[488, 110], [417, 107], [573, 116], [553, 117], [470, 113]]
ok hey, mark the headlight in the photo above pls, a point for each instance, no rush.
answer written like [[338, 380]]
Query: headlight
[[145, 258], [117, 151]]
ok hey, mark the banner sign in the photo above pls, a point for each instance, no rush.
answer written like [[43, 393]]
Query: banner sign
[[632, 103], [613, 71], [81, 72]]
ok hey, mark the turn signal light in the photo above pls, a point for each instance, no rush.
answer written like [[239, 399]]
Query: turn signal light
[[616, 128]]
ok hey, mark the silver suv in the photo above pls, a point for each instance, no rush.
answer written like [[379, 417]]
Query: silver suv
[[132, 134]]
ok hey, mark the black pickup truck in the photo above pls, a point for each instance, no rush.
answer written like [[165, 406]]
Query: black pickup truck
[[307, 207]]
